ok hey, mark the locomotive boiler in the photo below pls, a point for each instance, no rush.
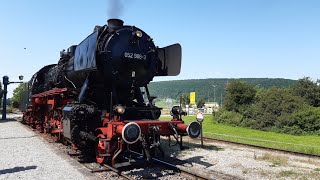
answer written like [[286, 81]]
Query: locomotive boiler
[[96, 97]]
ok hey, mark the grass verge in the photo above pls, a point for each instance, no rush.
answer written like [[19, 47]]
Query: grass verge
[[305, 144]]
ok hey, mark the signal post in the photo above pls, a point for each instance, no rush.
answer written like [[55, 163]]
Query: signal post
[[200, 118], [6, 82]]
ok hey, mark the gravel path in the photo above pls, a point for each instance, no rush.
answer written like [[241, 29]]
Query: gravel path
[[244, 162], [26, 156]]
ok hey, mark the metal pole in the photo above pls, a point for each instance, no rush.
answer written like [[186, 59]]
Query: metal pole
[[188, 110], [201, 136], [4, 104]]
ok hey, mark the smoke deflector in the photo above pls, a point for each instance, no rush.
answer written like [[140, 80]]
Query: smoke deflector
[[170, 58]]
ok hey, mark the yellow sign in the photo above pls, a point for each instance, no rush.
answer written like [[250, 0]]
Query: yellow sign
[[192, 97]]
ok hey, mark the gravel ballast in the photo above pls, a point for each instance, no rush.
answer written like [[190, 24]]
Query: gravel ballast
[[24, 155], [243, 162]]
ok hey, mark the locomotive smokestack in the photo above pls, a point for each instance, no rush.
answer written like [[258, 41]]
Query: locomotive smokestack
[[114, 24]]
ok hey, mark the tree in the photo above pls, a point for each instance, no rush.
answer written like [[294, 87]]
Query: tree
[[273, 108], [15, 104], [17, 92], [200, 103], [306, 120], [185, 99], [239, 95], [309, 90], [9, 101]]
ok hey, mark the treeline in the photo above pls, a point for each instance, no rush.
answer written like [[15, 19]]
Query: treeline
[[294, 110], [209, 89]]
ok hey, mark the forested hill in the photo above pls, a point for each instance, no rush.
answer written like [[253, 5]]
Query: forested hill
[[204, 87]]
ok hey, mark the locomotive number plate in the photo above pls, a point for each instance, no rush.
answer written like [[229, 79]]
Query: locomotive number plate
[[134, 56]]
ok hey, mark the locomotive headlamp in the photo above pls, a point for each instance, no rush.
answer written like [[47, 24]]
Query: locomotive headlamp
[[131, 132], [119, 109], [193, 130], [176, 110], [138, 34]]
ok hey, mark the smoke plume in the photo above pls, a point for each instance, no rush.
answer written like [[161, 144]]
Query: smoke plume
[[115, 8]]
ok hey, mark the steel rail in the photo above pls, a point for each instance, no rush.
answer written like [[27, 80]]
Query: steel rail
[[118, 172], [179, 169]]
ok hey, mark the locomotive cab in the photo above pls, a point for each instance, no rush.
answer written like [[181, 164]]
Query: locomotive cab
[[139, 105]]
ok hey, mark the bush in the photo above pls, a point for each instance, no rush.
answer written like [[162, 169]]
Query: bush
[[229, 117], [308, 120], [248, 122], [275, 109], [294, 130], [284, 121], [305, 121], [272, 108]]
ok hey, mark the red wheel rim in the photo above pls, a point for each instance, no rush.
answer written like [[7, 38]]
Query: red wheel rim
[[101, 149]]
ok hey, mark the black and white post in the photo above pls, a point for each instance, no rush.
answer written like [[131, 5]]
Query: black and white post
[[200, 118]]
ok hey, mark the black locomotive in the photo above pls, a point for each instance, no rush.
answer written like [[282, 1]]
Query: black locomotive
[[98, 92], [114, 62]]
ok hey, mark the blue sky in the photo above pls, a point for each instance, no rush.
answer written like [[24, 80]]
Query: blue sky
[[220, 39]]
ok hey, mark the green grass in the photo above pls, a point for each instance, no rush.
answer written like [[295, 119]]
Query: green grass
[[286, 173], [162, 103], [274, 159], [8, 110], [255, 137]]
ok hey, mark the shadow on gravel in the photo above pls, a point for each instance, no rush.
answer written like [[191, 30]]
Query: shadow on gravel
[[205, 146], [17, 169], [150, 172], [198, 160], [172, 153], [7, 120], [25, 137], [190, 145], [189, 162]]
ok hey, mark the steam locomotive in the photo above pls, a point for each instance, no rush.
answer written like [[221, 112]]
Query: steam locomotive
[[97, 99]]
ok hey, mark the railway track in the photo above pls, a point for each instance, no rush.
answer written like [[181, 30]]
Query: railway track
[[110, 168], [117, 173], [190, 173], [263, 147], [180, 169], [97, 168]]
